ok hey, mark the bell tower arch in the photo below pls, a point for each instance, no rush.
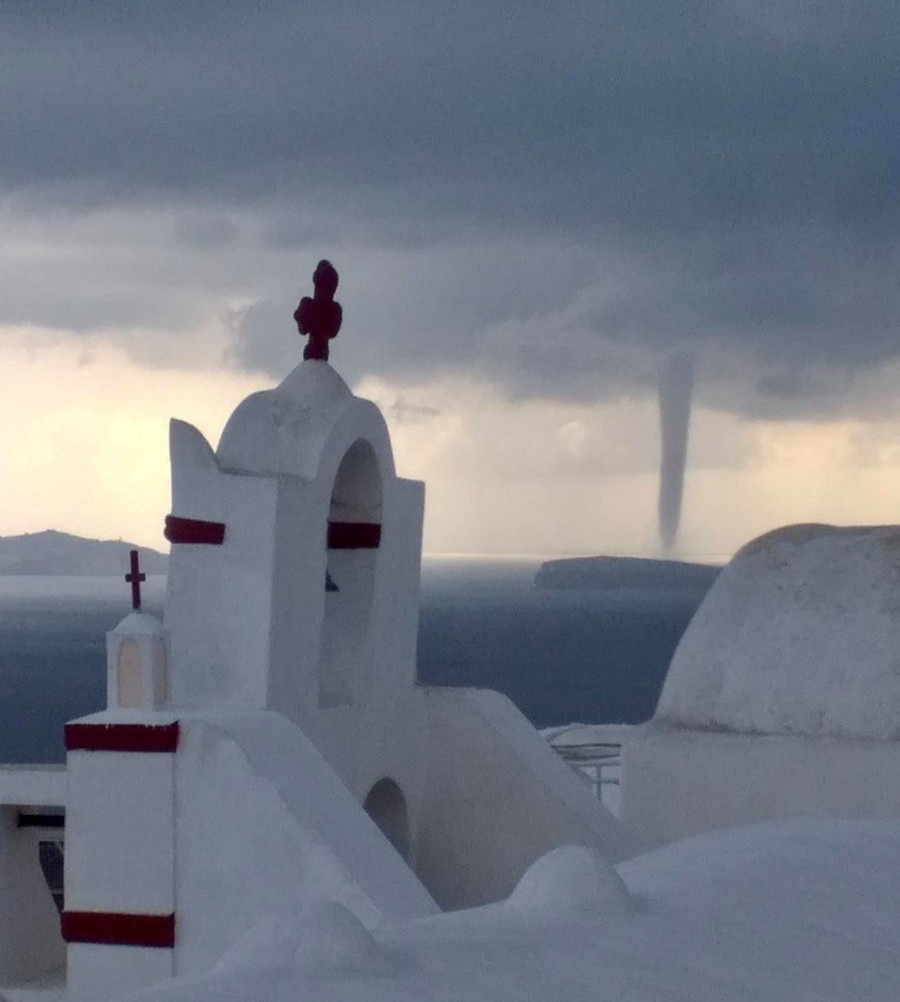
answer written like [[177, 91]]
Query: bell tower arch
[[354, 536]]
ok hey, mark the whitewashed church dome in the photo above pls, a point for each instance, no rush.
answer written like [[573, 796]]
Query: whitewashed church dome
[[284, 430], [800, 634]]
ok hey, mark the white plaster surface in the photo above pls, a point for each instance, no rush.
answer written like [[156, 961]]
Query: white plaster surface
[[219, 598], [572, 877], [285, 430], [801, 911], [120, 826], [800, 634], [678, 782], [496, 798], [138, 624], [265, 825], [98, 973], [326, 936], [49, 987], [33, 785]]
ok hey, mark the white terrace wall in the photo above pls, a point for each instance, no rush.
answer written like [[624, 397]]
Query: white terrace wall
[[678, 782], [497, 798]]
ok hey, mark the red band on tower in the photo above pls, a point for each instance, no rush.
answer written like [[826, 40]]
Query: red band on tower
[[354, 535], [194, 530], [122, 737], [119, 929]]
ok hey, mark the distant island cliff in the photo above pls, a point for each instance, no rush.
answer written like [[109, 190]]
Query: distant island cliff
[[62, 554], [624, 572]]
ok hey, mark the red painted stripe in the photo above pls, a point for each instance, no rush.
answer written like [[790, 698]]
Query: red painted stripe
[[194, 530], [119, 929], [122, 737], [354, 535]]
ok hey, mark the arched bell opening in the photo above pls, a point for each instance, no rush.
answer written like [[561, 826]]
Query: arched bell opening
[[354, 534], [386, 806]]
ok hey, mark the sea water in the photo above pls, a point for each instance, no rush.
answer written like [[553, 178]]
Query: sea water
[[561, 656]]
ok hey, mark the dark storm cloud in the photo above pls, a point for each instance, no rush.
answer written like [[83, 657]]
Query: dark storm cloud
[[717, 177]]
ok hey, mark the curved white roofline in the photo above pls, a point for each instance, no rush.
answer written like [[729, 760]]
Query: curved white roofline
[[799, 635], [303, 427]]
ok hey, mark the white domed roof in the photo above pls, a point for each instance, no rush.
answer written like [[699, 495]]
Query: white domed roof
[[800, 634], [572, 877], [282, 430]]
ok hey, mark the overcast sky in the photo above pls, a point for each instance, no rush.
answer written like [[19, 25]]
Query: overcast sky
[[531, 206]]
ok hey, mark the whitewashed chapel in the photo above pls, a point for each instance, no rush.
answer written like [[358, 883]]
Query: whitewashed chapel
[[267, 746]]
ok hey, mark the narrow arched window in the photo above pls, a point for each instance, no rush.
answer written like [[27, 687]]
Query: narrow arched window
[[129, 684]]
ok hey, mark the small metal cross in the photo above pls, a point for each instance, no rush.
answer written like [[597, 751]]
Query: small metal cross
[[135, 578]]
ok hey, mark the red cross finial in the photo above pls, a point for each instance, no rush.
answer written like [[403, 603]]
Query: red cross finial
[[320, 317], [135, 578]]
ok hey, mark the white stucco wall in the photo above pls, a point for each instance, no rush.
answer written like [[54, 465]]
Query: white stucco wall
[[33, 785], [264, 826], [783, 697], [219, 598], [678, 782], [120, 855], [497, 797], [100, 973], [119, 831]]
